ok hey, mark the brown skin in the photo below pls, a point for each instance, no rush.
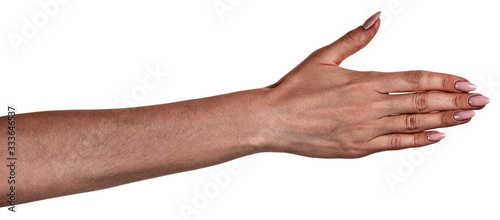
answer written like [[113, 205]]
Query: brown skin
[[318, 109]]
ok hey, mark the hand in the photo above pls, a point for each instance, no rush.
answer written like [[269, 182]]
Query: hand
[[320, 109]]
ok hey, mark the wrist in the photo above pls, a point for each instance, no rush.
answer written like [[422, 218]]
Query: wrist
[[252, 116], [260, 116]]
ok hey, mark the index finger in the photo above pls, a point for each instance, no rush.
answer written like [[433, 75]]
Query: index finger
[[420, 80]]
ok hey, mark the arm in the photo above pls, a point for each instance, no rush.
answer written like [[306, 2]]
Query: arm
[[68, 152], [318, 109]]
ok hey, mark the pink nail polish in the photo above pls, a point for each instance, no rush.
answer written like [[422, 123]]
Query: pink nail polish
[[435, 137], [463, 115], [371, 21], [465, 86], [478, 101]]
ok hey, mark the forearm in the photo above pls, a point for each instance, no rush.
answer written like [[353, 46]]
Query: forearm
[[67, 152]]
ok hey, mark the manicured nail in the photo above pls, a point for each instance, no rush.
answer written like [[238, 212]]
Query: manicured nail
[[463, 115], [465, 86], [478, 100], [371, 21], [435, 137]]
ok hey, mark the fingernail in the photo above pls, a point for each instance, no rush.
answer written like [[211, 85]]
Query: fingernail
[[371, 21], [478, 101], [435, 137], [463, 115], [465, 86]]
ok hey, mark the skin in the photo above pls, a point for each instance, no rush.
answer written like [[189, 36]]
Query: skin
[[318, 109]]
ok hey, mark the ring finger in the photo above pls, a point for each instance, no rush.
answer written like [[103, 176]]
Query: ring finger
[[412, 123]]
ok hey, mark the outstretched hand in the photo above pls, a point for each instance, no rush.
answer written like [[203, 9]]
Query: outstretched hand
[[320, 109]]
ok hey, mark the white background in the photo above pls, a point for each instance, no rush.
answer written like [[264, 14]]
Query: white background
[[91, 54]]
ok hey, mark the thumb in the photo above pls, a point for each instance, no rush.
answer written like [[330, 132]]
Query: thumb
[[351, 42]]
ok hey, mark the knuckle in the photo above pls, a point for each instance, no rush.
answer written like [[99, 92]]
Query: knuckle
[[351, 39], [374, 75], [415, 141], [378, 105], [460, 100], [421, 101], [411, 122], [457, 100], [444, 83], [318, 52], [414, 78], [395, 141], [445, 120], [448, 83]]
